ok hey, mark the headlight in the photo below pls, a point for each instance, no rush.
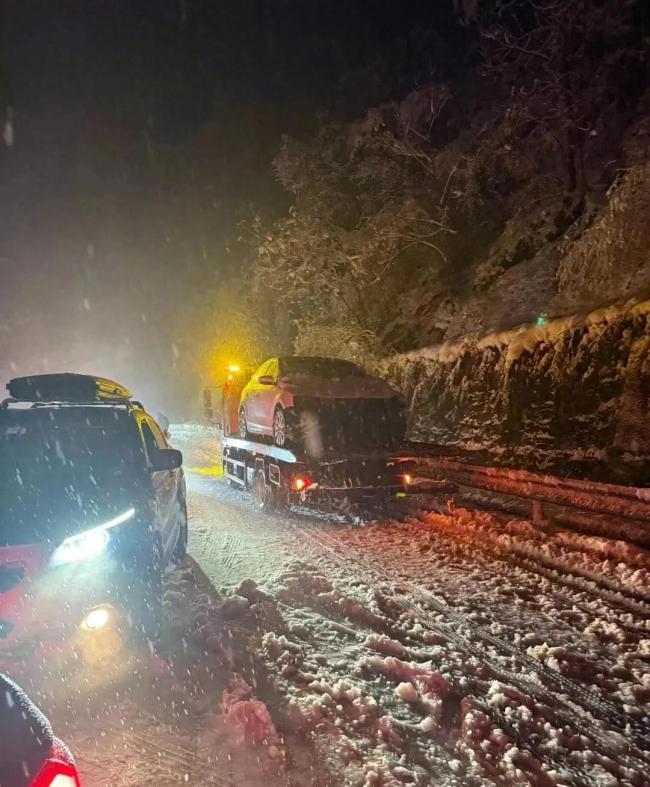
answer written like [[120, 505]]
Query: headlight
[[96, 619], [88, 544]]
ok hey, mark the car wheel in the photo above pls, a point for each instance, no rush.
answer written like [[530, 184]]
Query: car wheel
[[263, 493], [180, 550], [287, 424], [243, 423], [280, 428]]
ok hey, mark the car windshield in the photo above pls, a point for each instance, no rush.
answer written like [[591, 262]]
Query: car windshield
[[326, 368], [61, 466]]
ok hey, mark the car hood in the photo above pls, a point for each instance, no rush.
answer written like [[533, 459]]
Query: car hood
[[352, 387], [58, 507]]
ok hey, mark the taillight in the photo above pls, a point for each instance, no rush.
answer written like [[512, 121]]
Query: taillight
[[299, 483], [56, 773], [408, 478]]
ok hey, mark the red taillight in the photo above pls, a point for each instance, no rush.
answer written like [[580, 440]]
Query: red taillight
[[408, 478], [56, 773], [299, 483]]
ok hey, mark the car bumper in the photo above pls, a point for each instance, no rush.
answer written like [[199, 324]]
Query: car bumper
[[47, 629]]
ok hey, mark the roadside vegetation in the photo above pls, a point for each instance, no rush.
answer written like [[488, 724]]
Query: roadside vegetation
[[527, 170]]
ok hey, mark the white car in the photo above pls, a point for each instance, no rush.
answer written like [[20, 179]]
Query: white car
[[323, 404]]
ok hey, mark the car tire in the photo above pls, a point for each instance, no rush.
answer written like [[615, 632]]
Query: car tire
[[280, 499], [180, 550], [264, 496], [293, 438], [243, 424], [282, 431]]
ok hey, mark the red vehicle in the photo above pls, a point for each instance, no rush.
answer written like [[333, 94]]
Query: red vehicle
[[30, 754], [320, 404]]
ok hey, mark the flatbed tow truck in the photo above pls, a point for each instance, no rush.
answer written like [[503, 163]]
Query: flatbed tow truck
[[279, 478]]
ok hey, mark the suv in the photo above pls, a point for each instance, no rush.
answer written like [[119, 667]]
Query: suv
[[93, 509]]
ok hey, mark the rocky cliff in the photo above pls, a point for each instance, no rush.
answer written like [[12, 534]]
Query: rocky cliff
[[570, 395]]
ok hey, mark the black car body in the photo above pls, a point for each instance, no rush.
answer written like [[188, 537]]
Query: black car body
[[92, 508]]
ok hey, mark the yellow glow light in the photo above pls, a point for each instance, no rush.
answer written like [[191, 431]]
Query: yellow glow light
[[96, 618], [206, 470]]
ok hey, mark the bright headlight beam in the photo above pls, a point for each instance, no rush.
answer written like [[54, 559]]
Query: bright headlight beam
[[118, 519], [88, 544]]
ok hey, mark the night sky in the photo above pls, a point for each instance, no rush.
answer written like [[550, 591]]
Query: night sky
[[143, 132]]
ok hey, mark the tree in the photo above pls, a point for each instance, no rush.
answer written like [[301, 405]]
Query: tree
[[359, 225], [402, 217], [563, 65]]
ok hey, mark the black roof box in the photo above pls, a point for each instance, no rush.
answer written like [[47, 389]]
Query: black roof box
[[65, 387]]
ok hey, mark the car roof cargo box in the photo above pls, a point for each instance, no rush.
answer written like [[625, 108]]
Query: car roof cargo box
[[65, 387]]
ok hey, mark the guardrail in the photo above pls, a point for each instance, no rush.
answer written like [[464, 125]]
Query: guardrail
[[621, 501]]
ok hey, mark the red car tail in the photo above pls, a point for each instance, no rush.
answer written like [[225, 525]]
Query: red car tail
[[56, 773]]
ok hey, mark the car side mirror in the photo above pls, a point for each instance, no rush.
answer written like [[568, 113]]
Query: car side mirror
[[266, 379], [166, 459]]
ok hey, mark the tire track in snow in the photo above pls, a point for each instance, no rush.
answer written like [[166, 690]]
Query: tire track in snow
[[562, 571], [598, 587], [294, 529], [586, 702], [579, 774]]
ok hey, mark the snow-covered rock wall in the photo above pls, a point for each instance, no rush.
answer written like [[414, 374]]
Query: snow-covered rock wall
[[571, 395], [611, 259]]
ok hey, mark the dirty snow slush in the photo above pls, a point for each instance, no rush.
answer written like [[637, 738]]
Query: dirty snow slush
[[185, 713], [461, 647]]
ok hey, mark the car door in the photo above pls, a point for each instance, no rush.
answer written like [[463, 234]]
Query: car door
[[267, 394], [165, 487]]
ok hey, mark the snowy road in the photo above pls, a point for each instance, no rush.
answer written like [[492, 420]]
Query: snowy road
[[455, 648], [229, 538]]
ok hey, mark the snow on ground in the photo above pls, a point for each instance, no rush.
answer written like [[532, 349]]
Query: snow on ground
[[227, 538], [173, 717], [435, 648]]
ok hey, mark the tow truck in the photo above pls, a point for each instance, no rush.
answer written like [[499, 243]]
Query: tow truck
[[279, 477]]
